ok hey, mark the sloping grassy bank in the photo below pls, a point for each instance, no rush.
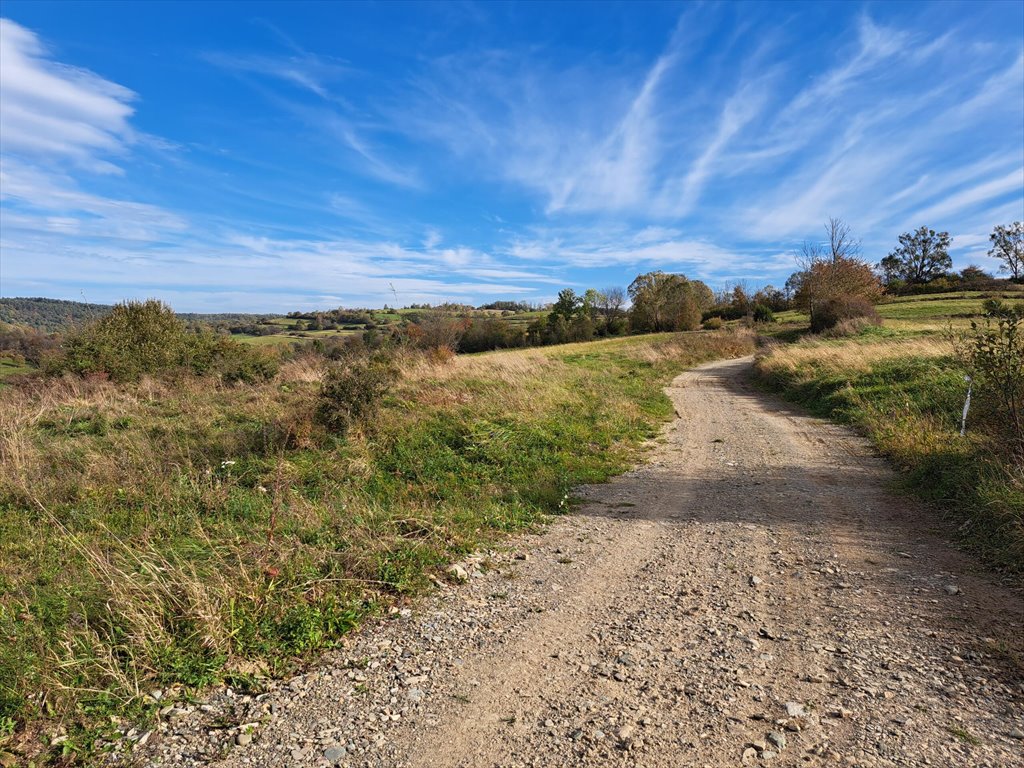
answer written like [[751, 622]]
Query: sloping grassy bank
[[906, 394], [178, 535]]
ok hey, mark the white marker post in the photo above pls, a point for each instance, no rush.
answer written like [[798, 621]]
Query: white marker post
[[967, 406]]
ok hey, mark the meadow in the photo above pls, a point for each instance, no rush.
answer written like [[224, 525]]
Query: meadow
[[285, 331], [176, 534]]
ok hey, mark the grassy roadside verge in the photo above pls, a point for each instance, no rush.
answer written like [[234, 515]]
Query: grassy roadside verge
[[178, 536], [906, 393]]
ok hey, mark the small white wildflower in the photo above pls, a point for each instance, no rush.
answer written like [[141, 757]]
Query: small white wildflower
[[226, 464]]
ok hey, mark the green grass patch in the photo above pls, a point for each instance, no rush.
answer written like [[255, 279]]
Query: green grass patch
[[10, 367]]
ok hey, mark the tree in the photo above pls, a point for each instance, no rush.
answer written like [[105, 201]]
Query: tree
[[665, 302], [974, 278], [592, 301], [567, 306], [1008, 247], [614, 300], [841, 243], [771, 297], [703, 295], [922, 255], [740, 300], [570, 318], [832, 272]]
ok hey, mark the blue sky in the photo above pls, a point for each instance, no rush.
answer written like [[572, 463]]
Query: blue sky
[[271, 156]]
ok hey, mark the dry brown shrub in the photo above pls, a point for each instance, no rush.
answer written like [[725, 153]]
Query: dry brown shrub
[[440, 355]]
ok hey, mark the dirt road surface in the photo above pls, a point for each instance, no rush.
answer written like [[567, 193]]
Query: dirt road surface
[[753, 594]]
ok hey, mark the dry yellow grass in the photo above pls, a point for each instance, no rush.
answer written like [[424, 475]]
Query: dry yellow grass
[[853, 356]]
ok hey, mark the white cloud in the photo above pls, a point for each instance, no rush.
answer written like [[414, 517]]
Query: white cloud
[[49, 109], [970, 197], [432, 239], [740, 109], [374, 163], [302, 69], [51, 196]]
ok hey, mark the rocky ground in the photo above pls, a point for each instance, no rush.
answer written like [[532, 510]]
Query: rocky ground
[[752, 594]]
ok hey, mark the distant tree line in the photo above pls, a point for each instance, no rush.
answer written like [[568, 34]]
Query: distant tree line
[[833, 284], [49, 315]]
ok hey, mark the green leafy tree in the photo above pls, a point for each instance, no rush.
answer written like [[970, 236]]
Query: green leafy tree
[[665, 302], [592, 302], [922, 255], [1008, 247], [567, 306]]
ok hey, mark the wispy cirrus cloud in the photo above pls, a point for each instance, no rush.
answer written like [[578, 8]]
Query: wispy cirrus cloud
[[302, 69], [508, 163], [334, 117]]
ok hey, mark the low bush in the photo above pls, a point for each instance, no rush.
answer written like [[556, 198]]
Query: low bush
[[352, 390], [852, 326], [241, 363], [832, 312], [763, 314], [134, 339], [713, 324], [146, 338]]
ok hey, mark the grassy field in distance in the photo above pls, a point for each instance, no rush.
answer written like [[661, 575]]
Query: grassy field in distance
[[288, 335], [10, 368]]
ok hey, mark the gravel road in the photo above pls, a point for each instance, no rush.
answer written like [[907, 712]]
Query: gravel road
[[753, 594]]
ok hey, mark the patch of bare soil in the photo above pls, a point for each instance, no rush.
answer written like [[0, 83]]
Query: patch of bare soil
[[752, 594]]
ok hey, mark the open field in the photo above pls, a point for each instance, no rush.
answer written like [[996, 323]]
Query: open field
[[9, 367], [176, 534], [289, 334]]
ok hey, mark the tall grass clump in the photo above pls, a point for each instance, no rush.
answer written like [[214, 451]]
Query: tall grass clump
[[176, 530]]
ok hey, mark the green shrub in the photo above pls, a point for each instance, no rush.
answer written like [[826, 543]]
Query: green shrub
[[240, 362], [993, 353], [832, 312], [136, 338], [140, 338], [763, 314], [713, 324], [352, 390]]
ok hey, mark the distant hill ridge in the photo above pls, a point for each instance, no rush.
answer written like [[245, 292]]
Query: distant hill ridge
[[52, 315]]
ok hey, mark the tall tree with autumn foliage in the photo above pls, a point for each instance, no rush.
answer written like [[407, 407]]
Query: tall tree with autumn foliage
[[832, 270]]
